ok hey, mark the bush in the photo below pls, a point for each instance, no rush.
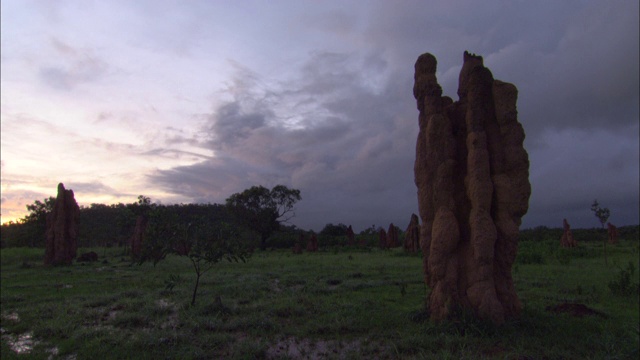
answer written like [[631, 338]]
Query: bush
[[621, 285]]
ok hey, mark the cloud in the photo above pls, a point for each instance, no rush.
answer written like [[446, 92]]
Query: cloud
[[14, 203], [92, 187], [589, 80], [573, 65], [17, 193], [336, 22], [320, 98], [75, 67], [351, 154], [343, 128], [232, 125], [574, 167]]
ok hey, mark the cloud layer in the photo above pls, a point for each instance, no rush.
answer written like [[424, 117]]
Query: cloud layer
[[342, 142], [193, 102]]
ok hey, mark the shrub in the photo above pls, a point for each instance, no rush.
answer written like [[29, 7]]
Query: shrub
[[621, 285]]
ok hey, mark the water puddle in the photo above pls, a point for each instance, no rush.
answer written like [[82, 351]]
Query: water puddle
[[12, 317], [172, 319], [62, 286], [163, 303], [24, 343], [294, 348], [20, 344], [275, 286]]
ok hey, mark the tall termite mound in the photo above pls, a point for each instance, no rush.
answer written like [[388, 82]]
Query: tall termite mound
[[567, 240], [137, 239], [412, 235], [62, 229], [472, 174]]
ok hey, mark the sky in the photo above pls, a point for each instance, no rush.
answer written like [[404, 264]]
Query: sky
[[192, 101]]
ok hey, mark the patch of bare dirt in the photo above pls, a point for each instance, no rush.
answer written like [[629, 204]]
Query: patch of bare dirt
[[111, 314], [172, 319]]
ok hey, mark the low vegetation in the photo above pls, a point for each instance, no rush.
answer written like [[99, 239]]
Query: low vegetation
[[337, 303]]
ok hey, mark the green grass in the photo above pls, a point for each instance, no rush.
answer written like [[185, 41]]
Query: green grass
[[338, 304]]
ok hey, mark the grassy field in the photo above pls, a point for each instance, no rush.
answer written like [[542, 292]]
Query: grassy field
[[332, 304]]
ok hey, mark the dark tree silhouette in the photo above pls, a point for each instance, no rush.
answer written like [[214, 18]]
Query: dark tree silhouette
[[334, 230], [36, 220], [603, 215], [262, 210]]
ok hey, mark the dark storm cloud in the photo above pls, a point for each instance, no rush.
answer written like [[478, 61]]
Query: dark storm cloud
[[214, 180], [352, 157], [571, 168], [574, 64], [576, 69], [343, 129], [232, 126]]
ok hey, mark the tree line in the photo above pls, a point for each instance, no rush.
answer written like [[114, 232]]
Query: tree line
[[258, 216], [99, 224], [113, 225], [544, 233], [258, 210]]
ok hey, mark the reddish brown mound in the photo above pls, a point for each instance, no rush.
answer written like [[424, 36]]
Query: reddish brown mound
[[472, 174], [137, 239], [392, 236], [351, 236], [613, 233], [62, 229], [574, 309], [312, 244], [412, 235], [567, 239], [383, 244]]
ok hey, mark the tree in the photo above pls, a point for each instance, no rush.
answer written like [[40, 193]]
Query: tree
[[36, 221], [334, 230], [204, 241], [603, 215], [142, 207], [38, 210], [211, 243], [262, 210]]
